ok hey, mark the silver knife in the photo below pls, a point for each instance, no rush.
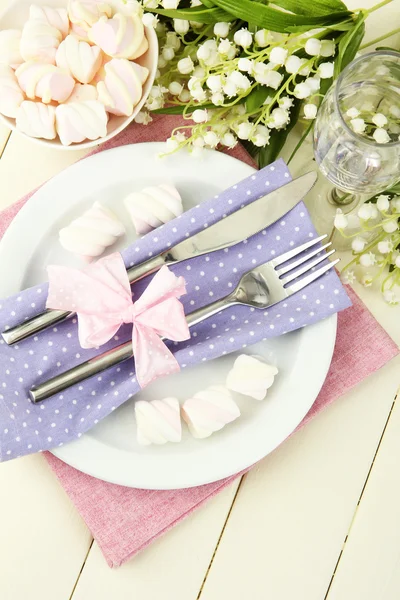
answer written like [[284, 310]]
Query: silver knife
[[227, 232]]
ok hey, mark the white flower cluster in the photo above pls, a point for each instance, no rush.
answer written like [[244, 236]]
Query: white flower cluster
[[375, 244], [375, 125], [224, 69]]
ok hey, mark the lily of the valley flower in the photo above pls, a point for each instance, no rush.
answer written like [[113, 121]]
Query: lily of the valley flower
[[313, 47], [221, 29], [381, 136]]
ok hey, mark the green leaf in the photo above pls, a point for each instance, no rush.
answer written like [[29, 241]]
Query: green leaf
[[256, 97], [316, 7], [253, 150], [199, 14], [273, 19], [207, 3], [278, 138], [349, 44], [178, 110], [386, 48]]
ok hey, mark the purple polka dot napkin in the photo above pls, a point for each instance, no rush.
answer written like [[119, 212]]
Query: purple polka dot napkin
[[26, 428]]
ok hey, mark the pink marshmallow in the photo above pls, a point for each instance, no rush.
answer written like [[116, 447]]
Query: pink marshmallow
[[119, 37], [48, 82], [121, 89]]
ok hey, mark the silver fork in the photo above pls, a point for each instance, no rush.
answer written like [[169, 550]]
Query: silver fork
[[261, 287]]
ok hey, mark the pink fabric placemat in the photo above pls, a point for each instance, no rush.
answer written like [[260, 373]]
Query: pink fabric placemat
[[124, 520]]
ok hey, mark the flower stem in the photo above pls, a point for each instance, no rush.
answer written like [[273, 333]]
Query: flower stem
[[379, 39], [368, 11]]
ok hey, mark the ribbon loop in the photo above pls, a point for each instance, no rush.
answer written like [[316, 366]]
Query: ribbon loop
[[101, 297]]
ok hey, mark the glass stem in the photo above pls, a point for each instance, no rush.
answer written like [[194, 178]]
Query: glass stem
[[339, 198]]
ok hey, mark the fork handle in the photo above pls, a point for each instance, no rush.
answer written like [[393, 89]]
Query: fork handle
[[52, 317], [113, 357]]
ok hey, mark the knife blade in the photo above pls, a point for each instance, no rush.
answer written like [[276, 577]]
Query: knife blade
[[231, 230]]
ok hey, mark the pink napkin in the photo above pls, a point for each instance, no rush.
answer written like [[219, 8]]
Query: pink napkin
[[124, 520]]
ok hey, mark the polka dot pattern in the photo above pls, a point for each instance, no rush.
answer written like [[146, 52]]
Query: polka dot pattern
[[26, 428]]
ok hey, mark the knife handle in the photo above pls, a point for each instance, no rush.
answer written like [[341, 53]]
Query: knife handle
[[113, 357], [52, 317]]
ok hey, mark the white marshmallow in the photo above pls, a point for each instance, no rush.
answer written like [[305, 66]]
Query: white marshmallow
[[56, 17], [158, 421], [153, 206], [36, 120], [90, 234], [10, 40], [11, 95], [209, 410], [80, 59], [39, 41], [77, 121], [251, 377]]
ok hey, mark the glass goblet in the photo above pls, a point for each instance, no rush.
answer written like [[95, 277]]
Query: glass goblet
[[358, 166]]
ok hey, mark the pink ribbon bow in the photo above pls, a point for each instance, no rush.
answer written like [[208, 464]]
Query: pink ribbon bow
[[101, 297]]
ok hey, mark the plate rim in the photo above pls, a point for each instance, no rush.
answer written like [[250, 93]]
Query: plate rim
[[71, 453]]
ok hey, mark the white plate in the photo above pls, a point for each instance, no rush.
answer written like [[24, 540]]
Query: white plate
[[109, 451]]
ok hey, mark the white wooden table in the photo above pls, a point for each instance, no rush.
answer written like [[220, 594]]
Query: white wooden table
[[319, 519]]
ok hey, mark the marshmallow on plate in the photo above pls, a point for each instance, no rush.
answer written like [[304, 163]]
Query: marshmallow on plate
[[57, 17], [10, 40], [11, 95], [82, 92], [91, 233], [39, 41], [209, 410], [158, 421], [36, 120], [120, 37], [80, 59], [121, 88], [76, 121], [153, 206], [251, 376], [87, 12], [45, 81]]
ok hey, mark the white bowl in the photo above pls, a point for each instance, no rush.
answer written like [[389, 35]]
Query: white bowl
[[15, 16]]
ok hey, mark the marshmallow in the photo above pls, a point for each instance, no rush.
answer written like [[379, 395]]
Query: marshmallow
[[251, 377], [153, 206], [56, 17], [11, 95], [82, 92], [39, 41], [209, 410], [87, 12], [36, 120], [120, 37], [80, 59], [121, 89], [45, 81], [158, 421], [10, 55], [90, 234], [79, 32], [77, 121]]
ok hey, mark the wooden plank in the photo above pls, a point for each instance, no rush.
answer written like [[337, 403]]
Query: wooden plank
[[44, 541], [369, 567], [25, 165], [172, 568], [293, 511]]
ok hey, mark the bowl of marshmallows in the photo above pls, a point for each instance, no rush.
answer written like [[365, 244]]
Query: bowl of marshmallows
[[73, 76]]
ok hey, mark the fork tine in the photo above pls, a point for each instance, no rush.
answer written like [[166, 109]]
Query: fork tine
[[306, 268], [301, 260], [279, 260], [299, 285]]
